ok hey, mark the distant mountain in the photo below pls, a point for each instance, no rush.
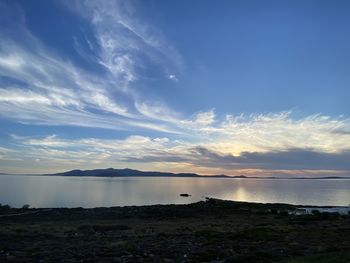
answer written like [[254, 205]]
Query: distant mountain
[[111, 172]]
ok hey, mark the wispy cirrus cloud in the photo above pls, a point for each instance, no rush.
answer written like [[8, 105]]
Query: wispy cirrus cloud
[[126, 44], [38, 86]]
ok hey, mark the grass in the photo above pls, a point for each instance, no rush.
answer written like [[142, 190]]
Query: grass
[[202, 232]]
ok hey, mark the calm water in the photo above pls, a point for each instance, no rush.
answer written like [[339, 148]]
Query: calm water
[[55, 191]]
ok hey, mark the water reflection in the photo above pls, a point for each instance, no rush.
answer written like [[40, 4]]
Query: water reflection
[[39, 191]]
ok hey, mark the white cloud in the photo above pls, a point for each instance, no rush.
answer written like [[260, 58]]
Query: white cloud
[[173, 77], [204, 118], [4, 150], [157, 111], [105, 103], [22, 97], [251, 142], [280, 131], [12, 62], [86, 150]]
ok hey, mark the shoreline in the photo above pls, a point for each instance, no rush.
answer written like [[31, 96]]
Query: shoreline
[[204, 199], [291, 209], [249, 203]]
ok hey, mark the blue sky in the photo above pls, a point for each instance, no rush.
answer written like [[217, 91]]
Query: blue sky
[[253, 87]]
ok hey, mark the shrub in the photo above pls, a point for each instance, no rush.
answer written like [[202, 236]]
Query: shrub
[[274, 211], [315, 212], [26, 206], [5, 207]]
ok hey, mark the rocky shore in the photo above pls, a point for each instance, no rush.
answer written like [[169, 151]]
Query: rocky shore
[[207, 231]]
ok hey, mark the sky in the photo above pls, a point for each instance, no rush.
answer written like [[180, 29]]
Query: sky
[[214, 87]]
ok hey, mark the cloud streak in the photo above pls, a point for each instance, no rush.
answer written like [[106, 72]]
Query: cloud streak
[[48, 89], [291, 159], [146, 150]]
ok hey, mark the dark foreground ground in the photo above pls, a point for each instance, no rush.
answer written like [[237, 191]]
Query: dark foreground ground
[[211, 231]]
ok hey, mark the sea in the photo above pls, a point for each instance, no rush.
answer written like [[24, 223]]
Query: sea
[[87, 192]]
